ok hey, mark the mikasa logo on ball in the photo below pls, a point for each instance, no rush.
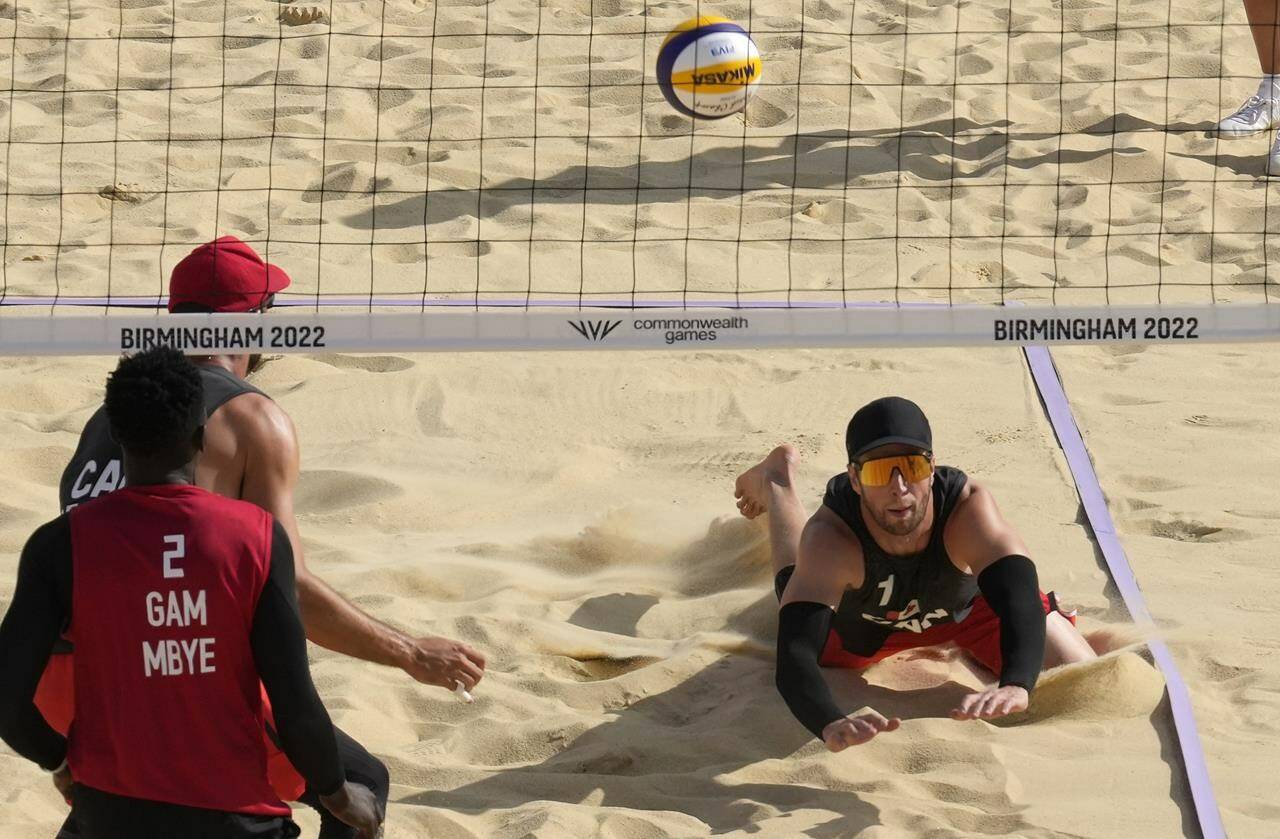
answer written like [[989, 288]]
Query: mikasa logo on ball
[[708, 67], [737, 74]]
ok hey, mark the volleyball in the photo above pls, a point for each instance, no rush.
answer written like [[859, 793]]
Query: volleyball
[[708, 67]]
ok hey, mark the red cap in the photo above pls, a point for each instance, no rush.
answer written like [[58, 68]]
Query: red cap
[[225, 275]]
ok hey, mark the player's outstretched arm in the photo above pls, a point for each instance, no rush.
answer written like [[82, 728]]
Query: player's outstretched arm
[[302, 723], [270, 479], [824, 570], [981, 540]]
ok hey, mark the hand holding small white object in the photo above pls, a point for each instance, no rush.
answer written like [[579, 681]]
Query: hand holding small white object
[[461, 692]]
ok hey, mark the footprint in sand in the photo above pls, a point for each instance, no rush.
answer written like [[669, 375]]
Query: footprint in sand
[[817, 210], [1188, 530], [387, 50], [1150, 483], [974, 65], [1219, 672], [368, 363], [1124, 349], [604, 666], [1133, 505], [429, 406], [330, 490], [610, 763], [125, 193], [1207, 421], [762, 114], [670, 123], [613, 8], [1265, 515], [1127, 400], [823, 10], [302, 15]]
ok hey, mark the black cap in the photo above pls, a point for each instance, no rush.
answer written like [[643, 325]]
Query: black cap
[[890, 419]]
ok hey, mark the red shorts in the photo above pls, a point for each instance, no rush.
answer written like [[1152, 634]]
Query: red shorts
[[56, 693], [978, 634], [56, 699]]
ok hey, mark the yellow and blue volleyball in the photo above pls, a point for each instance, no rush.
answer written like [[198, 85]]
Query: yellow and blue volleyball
[[708, 67]]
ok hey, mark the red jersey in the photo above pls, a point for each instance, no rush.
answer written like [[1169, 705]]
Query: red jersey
[[165, 583]]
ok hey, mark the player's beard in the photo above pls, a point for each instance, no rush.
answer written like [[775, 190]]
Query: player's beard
[[901, 527]]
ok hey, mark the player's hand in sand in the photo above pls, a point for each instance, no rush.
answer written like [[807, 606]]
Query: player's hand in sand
[[354, 805], [63, 781], [856, 730], [444, 663], [992, 703]]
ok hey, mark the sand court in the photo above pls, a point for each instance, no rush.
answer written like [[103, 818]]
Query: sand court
[[628, 618]]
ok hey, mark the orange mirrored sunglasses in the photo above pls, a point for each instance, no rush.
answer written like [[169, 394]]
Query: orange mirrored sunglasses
[[879, 472]]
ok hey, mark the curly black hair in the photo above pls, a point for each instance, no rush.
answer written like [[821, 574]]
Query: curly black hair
[[155, 401]]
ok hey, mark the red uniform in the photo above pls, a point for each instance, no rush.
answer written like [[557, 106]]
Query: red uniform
[[94, 471], [166, 583], [978, 634]]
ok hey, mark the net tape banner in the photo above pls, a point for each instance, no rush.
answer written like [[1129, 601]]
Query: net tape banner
[[637, 329]]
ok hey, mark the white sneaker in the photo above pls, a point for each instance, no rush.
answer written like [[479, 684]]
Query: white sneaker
[[1257, 114]]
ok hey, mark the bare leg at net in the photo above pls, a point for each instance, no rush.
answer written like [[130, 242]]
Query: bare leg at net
[[1261, 111]]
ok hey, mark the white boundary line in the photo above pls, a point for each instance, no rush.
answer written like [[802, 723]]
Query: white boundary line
[[1058, 408], [656, 328]]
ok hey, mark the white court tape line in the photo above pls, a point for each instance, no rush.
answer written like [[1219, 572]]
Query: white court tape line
[[1054, 396]]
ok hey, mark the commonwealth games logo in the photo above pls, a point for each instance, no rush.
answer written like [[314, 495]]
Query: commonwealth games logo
[[594, 330]]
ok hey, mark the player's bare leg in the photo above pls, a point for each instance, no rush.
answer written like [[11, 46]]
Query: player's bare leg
[[1063, 643], [768, 487]]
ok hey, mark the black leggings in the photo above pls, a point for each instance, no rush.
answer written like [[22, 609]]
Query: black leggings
[[781, 580], [360, 767], [102, 815]]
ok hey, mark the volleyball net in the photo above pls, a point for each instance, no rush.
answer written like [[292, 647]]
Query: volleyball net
[[456, 175]]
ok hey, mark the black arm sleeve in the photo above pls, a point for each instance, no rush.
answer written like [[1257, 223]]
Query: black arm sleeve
[[40, 608], [1012, 589], [802, 633], [280, 651]]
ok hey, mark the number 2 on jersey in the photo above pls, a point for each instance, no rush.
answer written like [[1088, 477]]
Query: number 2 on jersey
[[179, 551]]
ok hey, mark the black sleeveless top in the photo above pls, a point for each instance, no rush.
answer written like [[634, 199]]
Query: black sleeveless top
[[900, 593], [97, 467]]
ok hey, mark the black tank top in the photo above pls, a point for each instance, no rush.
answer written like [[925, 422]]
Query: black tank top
[[900, 593], [97, 468]]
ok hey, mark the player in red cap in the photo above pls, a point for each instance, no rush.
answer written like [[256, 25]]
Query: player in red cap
[[902, 554], [251, 453], [224, 275], [183, 607]]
